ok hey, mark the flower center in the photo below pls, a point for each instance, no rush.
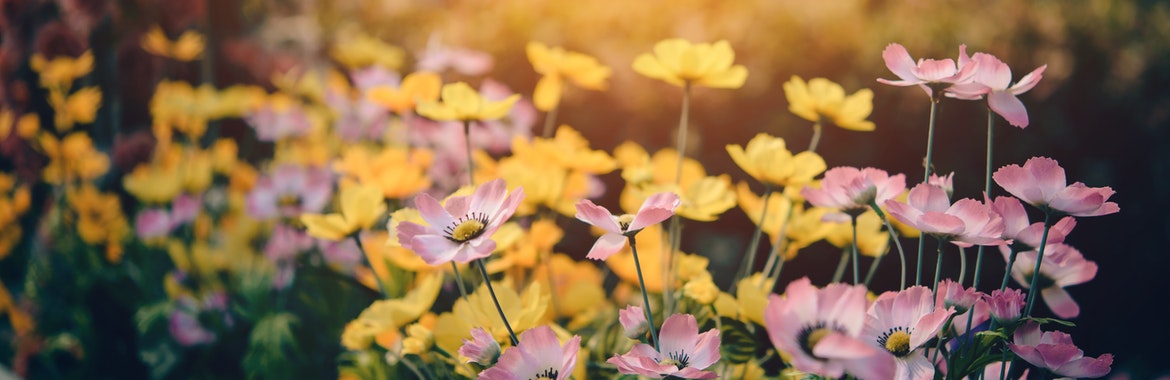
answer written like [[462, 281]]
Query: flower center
[[548, 374], [624, 221], [811, 335], [466, 228], [1041, 283], [898, 343], [678, 359], [289, 200]]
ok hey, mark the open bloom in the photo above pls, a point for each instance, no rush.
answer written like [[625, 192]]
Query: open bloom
[[821, 330], [993, 78], [1041, 183], [929, 74], [767, 159], [461, 102], [1055, 352], [967, 222], [417, 86], [823, 100], [849, 188], [683, 353], [901, 323], [462, 229], [654, 210], [556, 65], [678, 62], [290, 191], [1063, 266], [360, 208], [538, 356]]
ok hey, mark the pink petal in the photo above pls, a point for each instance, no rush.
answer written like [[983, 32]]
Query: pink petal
[[1028, 81], [935, 70], [655, 209], [927, 197], [1086, 367], [433, 249], [432, 211], [695, 373], [508, 208], [1056, 355], [899, 62], [1080, 200], [1007, 105], [473, 250], [706, 351], [1060, 302], [915, 366], [928, 326], [836, 345], [606, 246], [992, 72], [1048, 174], [679, 333], [488, 197], [940, 223], [593, 214], [569, 357]]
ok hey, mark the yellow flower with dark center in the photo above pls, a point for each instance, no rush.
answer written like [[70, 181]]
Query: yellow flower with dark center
[[420, 86], [461, 102], [72, 158], [361, 206], [187, 47], [61, 71], [556, 65], [678, 62], [822, 100], [399, 173], [767, 159], [360, 50], [872, 240]]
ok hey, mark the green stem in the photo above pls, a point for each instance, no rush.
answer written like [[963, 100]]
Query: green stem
[[645, 297], [550, 119], [986, 193], [938, 266], [488, 282], [894, 237], [962, 265], [1032, 291], [749, 257], [1008, 271], [467, 146], [816, 137], [935, 97], [682, 131], [840, 272], [918, 268], [366, 261], [781, 243], [459, 280], [856, 259]]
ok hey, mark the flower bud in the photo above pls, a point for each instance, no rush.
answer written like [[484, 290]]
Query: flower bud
[[634, 322], [1006, 305]]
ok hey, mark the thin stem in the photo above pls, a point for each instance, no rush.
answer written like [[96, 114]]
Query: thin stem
[[774, 275], [840, 272], [645, 298], [986, 193], [894, 237], [749, 256], [938, 266], [381, 287], [873, 266], [488, 282], [962, 265], [816, 137], [459, 280], [550, 120], [467, 146], [918, 268], [930, 139], [673, 237], [781, 243], [1032, 291], [1008, 271], [675, 240], [856, 259], [682, 131], [413, 368]]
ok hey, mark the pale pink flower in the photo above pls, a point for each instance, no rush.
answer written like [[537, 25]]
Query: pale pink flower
[[946, 182], [1016, 225], [654, 210], [994, 369], [1063, 266], [684, 352], [1041, 183], [993, 78], [373, 76], [821, 330], [461, 229], [482, 348], [185, 208], [953, 294], [274, 123], [538, 356], [901, 323], [1055, 352], [1005, 306], [185, 328], [358, 118], [965, 223], [633, 321], [438, 58], [153, 223], [929, 74], [290, 191], [849, 188], [286, 242]]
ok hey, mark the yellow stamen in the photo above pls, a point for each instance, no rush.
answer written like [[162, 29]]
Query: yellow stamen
[[898, 343], [467, 230], [815, 337], [624, 221]]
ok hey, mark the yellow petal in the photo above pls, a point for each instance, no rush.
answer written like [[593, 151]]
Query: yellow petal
[[730, 78], [496, 110], [651, 67], [548, 92]]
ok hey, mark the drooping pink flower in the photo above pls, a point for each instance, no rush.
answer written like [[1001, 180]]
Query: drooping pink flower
[[821, 330], [1005, 306], [965, 223], [849, 188], [538, 356], [993, 78], [1016, 227], [1054, 351], [929, 74], [1041, 183], [1063, 266], [684, 352], [901, 323], [633, 321], [290, 191], [482, 348], [462, 229], [654, 210]]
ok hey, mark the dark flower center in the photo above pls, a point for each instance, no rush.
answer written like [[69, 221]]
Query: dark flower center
[[467, 227], [896, 341], [678, 359], [550, 374], [812, 334]]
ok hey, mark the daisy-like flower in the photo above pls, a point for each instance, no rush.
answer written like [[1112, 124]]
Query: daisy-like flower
[[823, 100], [654, 210], [538, 356], [821, 330], [482, 348], [678, 62], [853, 189], [461, 230], [289, 191], [901, 323], [967, 222], [1041, 183], [683, 353], [993, 78], [1054, 351], [929, 74], [461, 102], [1063, 266]]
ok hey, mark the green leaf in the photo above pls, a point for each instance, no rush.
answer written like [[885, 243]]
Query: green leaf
[[271, 348], [1053, 320], [148, 315], [737, 345]]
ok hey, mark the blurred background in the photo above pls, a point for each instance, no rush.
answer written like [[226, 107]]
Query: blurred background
[[1102, 109]]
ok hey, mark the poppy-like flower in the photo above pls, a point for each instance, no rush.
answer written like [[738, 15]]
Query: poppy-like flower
[[849, 188], [767, 159], [419, 86], [482, 348], [683, 352], [1055, 352], [634, 323], [929, 74], [1005, 305], [967, 222], [821, 330], [462, 229], [1041, 183], [538, 356], [678, 62], [187, 47], [556, 65], [290, 191], [993, 78], [823, 100], [654, 210], [360, 208], [463, 103], [901, 323], [1063, 266]]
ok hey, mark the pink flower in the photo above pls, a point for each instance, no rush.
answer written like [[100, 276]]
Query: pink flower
[[967, 222], [1041, 183], [1005, 305], [274, 122], [153, 223], [285, 243], [821, 330], [655, 209], [358, 119], [482, 348], [946, 182], [1016, 227], [902, 323], [185, 209], [952, 294], [993, 78], [851, 188], [461, 230], [684, 352], [633, 321], [290, 191], [1055, 352], [1063, 266], [437, 58], [929, 74], [538, 356]]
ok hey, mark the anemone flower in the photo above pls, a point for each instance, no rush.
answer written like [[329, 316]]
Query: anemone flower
[[902, 323], [965, 223], [1041, 183], [289, 191], [993, 78], [1063, 266], [821, 330], [654, 210], [849, 188], [929, 74], [538, 356], [1055, 352], [462, 230], [683, 353]]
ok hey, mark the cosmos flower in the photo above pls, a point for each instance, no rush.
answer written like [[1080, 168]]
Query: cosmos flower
[[993, 79], [654, 210], [902, 323], [538, 356], [1055, 352], [1041, 183], [678, 61], [683, 352], [929, 74], [461, 230]]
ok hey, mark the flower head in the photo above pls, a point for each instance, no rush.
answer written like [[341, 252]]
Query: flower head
[[538, 356], [556, 65], [823, 100], [633, 321], [1055, 352], [965, 223], [290, 191], [361, 206], [1063, 266], [654, 210], [901, 323], [767, 159], [1005, 305], [419, 86], [482, 348], [953, 294], [1041, 183], [851, 188], [993, 78], [683, 352], [461, 102], [462, 229], [929, 74], [678, 62]]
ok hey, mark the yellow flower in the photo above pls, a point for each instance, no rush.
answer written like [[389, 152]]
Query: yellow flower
[[361, 50], [463, 103], [187, 47], [703, 199], [223, 153], [419, 340], [28, 125], [399, 173], [73, 158], [702, 290], [360, 208], [752, 293], [557, 64], [577, 288], [395, 313], [156, 183], [678, 62], [14, 201], [804, 227], [689, 267], [61, 71], [822, 100], [421, 86], [99, 216], [768, 160], [79, 108], [540, 238], [176, 105], [872, 240], [753, 205], [524, 311], [567, 149]]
